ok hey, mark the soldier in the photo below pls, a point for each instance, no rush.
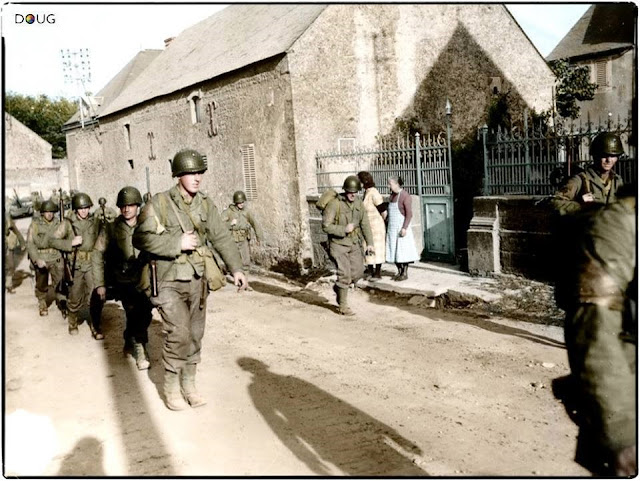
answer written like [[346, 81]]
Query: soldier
[[597, 185], [12, 237], [345, 221], [78, 233], [240, 222], [104, 213], [175, 228], [601, 339], [118, 264], [47, 261]]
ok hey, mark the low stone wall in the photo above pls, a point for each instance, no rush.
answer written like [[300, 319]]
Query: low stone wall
[[511, 235]]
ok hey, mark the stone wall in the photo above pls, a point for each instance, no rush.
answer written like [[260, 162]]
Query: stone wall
[[512, 235]]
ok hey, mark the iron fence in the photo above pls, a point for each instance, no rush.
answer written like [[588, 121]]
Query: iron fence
[[537, 159], [423, 163]]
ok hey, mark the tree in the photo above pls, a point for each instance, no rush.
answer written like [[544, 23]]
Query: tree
[[572, 84], [44, 116]]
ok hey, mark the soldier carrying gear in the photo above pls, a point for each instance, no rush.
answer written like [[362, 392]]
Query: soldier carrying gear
[[45, 259], [345, 221], [178, 228], [106, 214], [240, 221], [78, 233], [12, 238], [601, 337], [598, 184], [117, 264]]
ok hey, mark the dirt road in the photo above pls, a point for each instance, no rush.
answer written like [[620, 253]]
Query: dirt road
[[293, 389]]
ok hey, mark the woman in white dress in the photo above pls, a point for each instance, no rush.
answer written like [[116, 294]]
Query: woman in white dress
[[401, 248], [373, 202]]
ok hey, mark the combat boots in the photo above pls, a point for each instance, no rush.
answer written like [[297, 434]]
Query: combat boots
[[188, 383], [42, 306], [343, 307], [140, 355], [73, 323], [171, 390]]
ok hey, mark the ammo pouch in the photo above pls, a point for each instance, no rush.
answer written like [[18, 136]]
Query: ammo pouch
[[213, 274], [240, 235]]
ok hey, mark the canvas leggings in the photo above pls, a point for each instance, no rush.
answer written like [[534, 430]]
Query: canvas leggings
[[178, 303], [350, 262]]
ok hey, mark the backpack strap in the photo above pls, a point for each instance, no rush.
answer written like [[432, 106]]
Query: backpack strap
[[585, 182]]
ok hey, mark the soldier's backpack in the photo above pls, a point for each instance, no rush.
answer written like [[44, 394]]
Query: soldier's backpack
[[325, 198]]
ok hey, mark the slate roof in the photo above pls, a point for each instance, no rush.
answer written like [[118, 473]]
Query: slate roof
[[118, 83], [233, 38], [603, 27]]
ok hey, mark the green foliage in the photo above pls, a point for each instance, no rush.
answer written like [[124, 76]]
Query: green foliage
[[572, 85], [498, 112], [44, 116], [403, 127]]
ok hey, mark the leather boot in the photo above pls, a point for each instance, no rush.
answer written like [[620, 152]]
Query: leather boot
[[188, 384], [368, 273], [42, 307], [377, 274], [343, 307], [73, 323], [140, 355], [171, 390]]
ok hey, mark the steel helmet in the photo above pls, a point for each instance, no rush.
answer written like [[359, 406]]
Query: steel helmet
[[102, 201], [80, 201], [606, 143], [351, 184], [188, 162], [48, 206], [128, 195], [239, 197]]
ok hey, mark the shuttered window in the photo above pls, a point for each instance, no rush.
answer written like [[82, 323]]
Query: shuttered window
[[249, 171], [602, 79]]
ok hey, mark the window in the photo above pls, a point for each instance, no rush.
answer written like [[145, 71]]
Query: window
[[127, 136], [249, 171], [347, 144], [602, 73], [195, 106]]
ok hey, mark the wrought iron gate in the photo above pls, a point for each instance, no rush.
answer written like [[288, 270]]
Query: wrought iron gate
[[424, 163]]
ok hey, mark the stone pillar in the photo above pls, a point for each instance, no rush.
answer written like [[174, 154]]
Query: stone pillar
[[483, 237]]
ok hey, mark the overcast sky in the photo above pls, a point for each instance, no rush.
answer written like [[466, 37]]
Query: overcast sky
[[115, 33]]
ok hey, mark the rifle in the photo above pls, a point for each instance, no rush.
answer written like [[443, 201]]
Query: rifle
[[67, 272], [153, 266], [17, 198]]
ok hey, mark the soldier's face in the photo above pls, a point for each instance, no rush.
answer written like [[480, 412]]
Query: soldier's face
[[607, 163], [83, 213], [129, 211], [351, 196], [190, 182], [240, 205], [48, 216]]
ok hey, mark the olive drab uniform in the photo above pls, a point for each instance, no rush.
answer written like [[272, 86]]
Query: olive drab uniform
[[568, 199], [12, 237], [39, 248], [601, 335], [182, 287], [83, 286], [118, 266], [241, 230]]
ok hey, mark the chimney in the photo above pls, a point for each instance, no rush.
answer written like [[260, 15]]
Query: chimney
[[167, 41]]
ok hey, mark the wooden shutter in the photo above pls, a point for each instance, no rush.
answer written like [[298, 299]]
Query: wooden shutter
[[249, 171]]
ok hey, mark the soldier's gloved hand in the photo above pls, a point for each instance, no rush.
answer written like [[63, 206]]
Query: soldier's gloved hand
[[587, 198], [41, 264], [240, 280], [102, 292], [370, 250], [349, 228], [626, 462], [77, 240], [189, 241]]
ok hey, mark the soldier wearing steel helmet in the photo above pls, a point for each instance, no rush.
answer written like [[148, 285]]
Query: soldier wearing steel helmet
[[177, 229], [346, 222], [120, 266], [77, 234], [240, 221], [598, 184], [46, 260], [104, 213]]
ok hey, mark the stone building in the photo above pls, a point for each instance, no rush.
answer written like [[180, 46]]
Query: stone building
[[604, 40], [29, 166], [261, 88]]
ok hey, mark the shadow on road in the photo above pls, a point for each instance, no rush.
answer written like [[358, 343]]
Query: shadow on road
[[303, 295], [147, 454], [86, 459], [328, 434], [466, 317]]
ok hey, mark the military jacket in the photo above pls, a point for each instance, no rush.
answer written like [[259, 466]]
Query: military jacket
[[340, 212], [245, 220], [88, 228], [38, 240], [602, 333], [159, 233], [569, 198], [11, 233], [114, 252], [108, 215]]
